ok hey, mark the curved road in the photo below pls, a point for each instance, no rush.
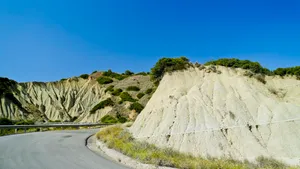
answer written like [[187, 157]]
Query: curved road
[[51, 150]]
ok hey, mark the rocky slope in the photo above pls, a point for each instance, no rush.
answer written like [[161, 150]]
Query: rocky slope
[[224, 113], [68, 100]]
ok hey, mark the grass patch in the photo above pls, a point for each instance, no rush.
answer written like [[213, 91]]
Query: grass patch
[[133, 88], [140, 95], [137, 107], [121, 140], [104, 80], [102, 104], [264, 162], [126, 97]]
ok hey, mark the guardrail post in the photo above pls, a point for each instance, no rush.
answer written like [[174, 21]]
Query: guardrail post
[[24, 130], [41, 129], [16, 130]]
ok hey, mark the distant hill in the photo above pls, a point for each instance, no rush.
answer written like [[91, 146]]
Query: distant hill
[[74, 99]]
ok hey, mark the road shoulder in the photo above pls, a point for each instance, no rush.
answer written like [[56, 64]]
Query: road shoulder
[[100, 148]]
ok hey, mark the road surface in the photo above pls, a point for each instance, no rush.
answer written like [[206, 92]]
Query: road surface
[[51, 150]]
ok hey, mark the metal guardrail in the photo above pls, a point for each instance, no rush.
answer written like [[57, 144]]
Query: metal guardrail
[[49, 126]]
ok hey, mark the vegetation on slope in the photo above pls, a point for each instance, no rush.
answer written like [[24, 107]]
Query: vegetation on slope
[[102, 104], [133, 88], [6, 85], [288, 71], [168, 65], [114, 75], [108, 119], [255, 67], [104, 80], [127, 97], [121, 140], [137, 107], [110, 88], [143, 73], [117, 92], [149, 91], [140, 95], [128, 73], [84, 76]]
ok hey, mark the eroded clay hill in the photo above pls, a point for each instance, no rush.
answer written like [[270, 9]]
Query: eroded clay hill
[[71, 99], [223, 112]]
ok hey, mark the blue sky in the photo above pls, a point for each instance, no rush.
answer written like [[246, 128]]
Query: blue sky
[[46, 40]]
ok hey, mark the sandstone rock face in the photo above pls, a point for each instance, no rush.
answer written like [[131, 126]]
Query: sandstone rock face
[[69, 99], [224, 114]]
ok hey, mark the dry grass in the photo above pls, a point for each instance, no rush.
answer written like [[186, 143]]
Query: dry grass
[[273, 91], [260, 78], [121, 140]]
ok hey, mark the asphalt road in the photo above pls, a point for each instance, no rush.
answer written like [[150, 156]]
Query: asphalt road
[[51, 150]]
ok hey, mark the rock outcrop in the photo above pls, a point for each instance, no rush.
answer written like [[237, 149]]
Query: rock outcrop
[[221, 112]]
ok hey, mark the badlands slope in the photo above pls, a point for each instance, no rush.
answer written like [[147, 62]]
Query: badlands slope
[[224, 115], [70, 100]]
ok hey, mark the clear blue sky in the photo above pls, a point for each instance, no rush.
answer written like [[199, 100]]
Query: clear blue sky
[[46, 40]]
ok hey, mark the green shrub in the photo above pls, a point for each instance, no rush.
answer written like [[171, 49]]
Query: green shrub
[[102, 104], [121, 119], [255, 67], [6, 121], [112, 74], [117, 92], [142, 73], [137, 107], [128, 73], [133, 88], [140, 95], [168, 65], [149, 91], [107, 119], [126, 97], [94, 71], [288, 71], [104, 80], [84, 76], [110, 88], [63, 79]]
